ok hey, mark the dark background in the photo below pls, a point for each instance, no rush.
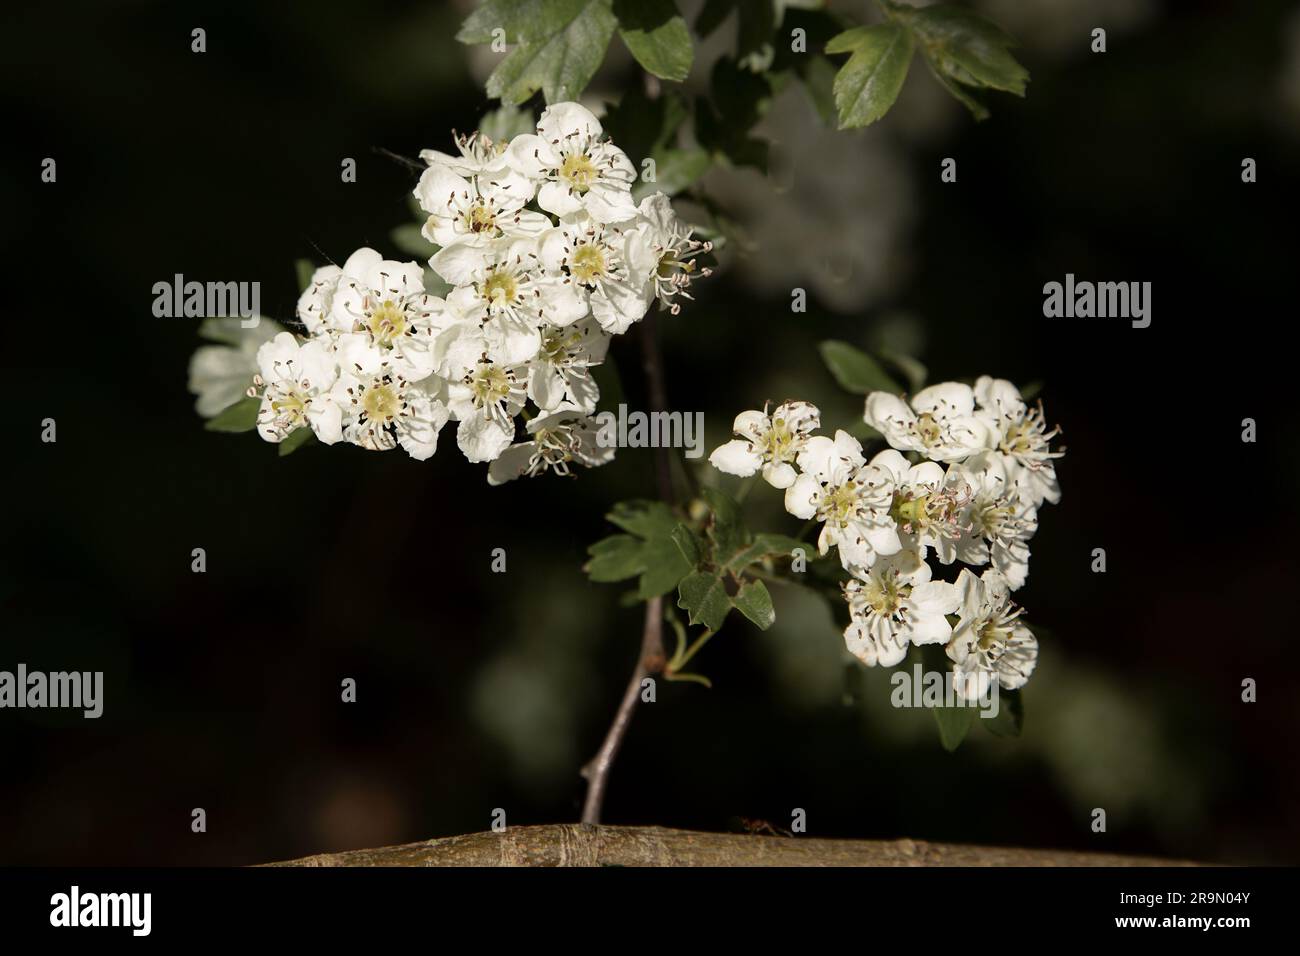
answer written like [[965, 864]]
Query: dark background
[[481, 690]]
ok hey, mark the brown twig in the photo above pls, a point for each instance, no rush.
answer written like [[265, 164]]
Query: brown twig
[[649, 661], [651, 658]]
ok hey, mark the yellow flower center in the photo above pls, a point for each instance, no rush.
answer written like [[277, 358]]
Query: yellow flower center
[[930, 431], [841, 504], [884, 597], [480, 218], [779, 439], [587, 263], [500, 289], [578, 171], [1019, 438], [386, 322], [557, 342], [913, 512], [990, 635], [490, 384], [293, 405], [381, 403]]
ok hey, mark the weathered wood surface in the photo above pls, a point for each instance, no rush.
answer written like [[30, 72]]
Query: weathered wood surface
[[577, 845]]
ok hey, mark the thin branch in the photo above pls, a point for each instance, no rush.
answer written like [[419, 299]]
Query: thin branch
[[399, 158], [649, 661], [652, 658], [653, 366]]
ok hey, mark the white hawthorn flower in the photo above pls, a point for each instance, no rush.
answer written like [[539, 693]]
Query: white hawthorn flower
[[851, 497], [476, 154], [999, 516], [507, 282], [989, 642], [894, 604], [478, 209], [317, 300], [486, 400], [617, 286], [669, 250], [939, 423], [384, 408], [558, 439], [578, 172], [220, 373], [297, 379], [1020, 435], [561, 371], [770, 442], [383, 305], [929, 508]]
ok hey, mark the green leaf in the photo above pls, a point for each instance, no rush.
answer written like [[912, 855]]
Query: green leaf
[[864, 432], [961, 95], [650, 549], [819, 82], [914, 371], [1010, 720], [434, 284], [954, 723], [408, 238], [675, 170], [688, 543], [643, 518], [295, 440], [239, 417], [229, 330], [968, 48], [642, 126], [507, 122], [726, 528], [657, 36], [615, 558], [856, 371], [738, 100], [1031, 391], [559, 45], [665, 565], [868, 84], [304, 269], [763, 546], [704, 597], [755, 603]]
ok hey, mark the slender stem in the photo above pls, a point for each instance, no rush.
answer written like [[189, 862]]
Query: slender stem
[[681, 661], [649, 661], [652, 658], [652, 365]]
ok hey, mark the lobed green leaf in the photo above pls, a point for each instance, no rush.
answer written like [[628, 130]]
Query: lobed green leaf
[[855, 370], [239, 417]]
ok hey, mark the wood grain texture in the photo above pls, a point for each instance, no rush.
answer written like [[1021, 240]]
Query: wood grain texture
[[577, 845]]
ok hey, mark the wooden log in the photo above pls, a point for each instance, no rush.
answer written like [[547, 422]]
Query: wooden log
[[577, 845]]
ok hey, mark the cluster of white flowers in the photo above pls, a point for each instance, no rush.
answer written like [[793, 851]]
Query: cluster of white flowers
[[981, 465], [548, 257]]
